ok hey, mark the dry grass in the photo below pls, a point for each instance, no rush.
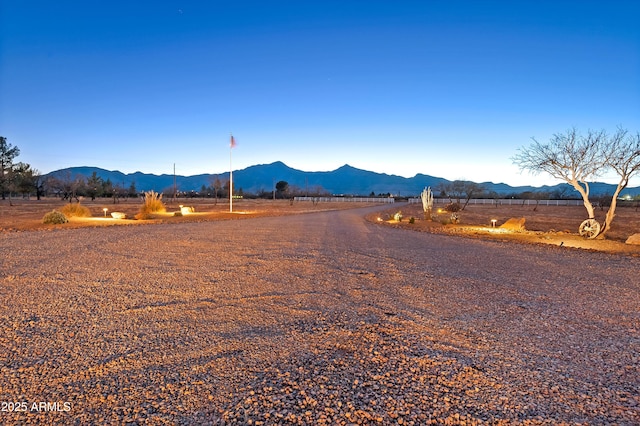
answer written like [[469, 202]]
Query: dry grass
[[75, 210], [152, 204]]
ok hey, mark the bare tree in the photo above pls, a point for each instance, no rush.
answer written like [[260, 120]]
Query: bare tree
[[216, 184], [39, 183], [576, 159], [119, 191], [534, 195], [622, 155], [460, 189], [66, 186]]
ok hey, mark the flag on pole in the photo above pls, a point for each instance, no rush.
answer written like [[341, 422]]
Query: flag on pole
[[232, 144]]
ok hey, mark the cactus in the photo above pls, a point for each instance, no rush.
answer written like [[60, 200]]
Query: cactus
[[427, 202]]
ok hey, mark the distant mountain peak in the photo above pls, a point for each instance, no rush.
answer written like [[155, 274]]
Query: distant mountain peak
[[347, 167]]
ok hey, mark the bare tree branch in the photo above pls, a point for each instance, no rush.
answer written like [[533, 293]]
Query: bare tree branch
[[577, 159]]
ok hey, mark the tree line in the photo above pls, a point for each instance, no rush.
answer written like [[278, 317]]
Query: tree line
[[18, 178]]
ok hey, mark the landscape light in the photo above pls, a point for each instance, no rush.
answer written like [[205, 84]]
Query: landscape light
[[493, 222], [105, 211]]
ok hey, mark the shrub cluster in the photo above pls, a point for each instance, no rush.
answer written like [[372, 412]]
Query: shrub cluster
[[141, 215], [76, 210], [55, 217], [453, 207]]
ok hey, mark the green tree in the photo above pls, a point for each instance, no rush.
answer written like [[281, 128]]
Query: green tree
[[7, 154], [107, 188], [94, 186], [132, 189], [281, 188], [23, 178]]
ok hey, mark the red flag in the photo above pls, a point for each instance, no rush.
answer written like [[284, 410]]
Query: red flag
[[232, 144]]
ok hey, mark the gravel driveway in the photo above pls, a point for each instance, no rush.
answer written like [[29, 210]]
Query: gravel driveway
[[310, 319]]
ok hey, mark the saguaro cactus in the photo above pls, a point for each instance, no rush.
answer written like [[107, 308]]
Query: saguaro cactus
[[427, 202]]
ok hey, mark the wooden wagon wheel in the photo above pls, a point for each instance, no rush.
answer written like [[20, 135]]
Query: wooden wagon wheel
[[590, 228]]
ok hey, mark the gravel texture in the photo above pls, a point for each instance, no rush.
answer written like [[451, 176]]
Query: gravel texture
[[312, 319]]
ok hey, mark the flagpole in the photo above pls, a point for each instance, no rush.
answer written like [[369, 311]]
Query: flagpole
[[230, 176]]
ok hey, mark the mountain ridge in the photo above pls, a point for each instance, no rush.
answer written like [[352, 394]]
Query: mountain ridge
[[345, 180]]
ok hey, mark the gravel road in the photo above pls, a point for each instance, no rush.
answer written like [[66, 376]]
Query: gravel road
[[311, 319]]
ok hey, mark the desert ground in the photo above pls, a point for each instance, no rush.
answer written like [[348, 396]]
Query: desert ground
[[326, 317], [26, 215], [557, 225]]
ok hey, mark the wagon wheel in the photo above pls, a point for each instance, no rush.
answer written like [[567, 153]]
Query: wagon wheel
[[590, 228]]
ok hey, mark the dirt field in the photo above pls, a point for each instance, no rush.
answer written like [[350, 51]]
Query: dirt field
[[555, 225], [319, 318], [25, 215]]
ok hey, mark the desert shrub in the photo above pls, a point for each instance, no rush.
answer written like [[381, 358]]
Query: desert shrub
[[54, 217], [453, 207], [76, 210], [152, 204], [398, 217], [412, 219], [143, 216]]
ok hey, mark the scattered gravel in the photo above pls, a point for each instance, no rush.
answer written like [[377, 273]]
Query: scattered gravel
[[312, 319]]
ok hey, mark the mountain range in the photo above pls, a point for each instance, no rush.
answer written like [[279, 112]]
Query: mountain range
[[346, 180]]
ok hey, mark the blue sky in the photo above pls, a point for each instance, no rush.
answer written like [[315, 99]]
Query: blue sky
[[446, 88]]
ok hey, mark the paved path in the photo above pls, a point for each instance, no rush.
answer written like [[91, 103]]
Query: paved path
[[311, 318]]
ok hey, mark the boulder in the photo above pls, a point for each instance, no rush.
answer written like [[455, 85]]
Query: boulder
[[514, 224], [634, 239]]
